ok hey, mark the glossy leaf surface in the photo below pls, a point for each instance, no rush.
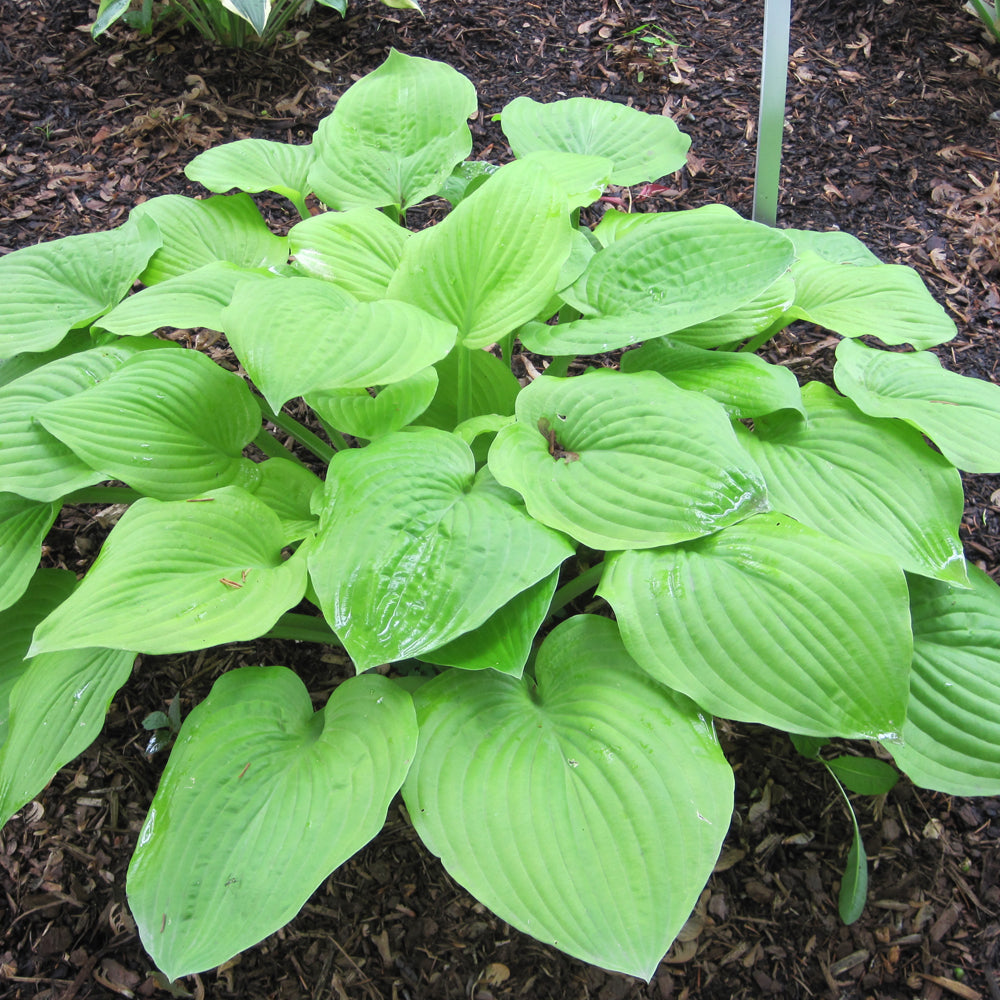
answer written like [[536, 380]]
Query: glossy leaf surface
[[254, 165]]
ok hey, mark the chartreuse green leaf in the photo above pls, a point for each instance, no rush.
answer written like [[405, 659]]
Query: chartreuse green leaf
[[33, 463], [358, 250], [746, 385], [585, 807], [465, 178], [679, 270], [51, 706], [640, 146], [171, 424], [261, 800], [195, 233], [49, 289], [14, 368], [582, 178], [771, 622], [254, 165], [888, 301], [394, 136], [189, 300], [961, 415], [335, 342], [621, 461], [181, 575], [492, 389], [494, 262], [23, 526], [287, 488], [871, 483], [503, 641], [835, 247], [415, 549], [364, 415], [951, 740]]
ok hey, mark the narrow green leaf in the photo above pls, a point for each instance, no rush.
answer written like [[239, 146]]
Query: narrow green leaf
[[854, 885], [170, 424], [415, 549], [951, 740], [195, 233], [586, 808], [335, 342], [871, 483], [175, 576], [49, 289], [623, 461], [961, 415], [254, 165], [261, 800], [23, 526], [494, 262], [394, 136], [863, 775], [771, 622], [640, 146]]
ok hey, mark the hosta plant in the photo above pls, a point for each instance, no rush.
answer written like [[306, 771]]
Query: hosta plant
[[761, 551]]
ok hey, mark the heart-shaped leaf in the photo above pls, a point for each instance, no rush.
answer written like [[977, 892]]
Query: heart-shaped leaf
[[336, 342], [623, 461], [394, 136], [171, 424], [771, 622], [49, 289], [261, 800], [181, 575], [586, 808], [640, 146], [951, 740], [415, 549], [872, 483], [961, 415]]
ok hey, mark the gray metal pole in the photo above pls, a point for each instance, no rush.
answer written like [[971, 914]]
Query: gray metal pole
[[771, 121]]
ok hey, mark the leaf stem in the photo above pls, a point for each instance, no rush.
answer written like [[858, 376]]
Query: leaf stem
[[297, 431], [103, 495], [580, 585], [463, 394], [559, 366], [273, 448], [303, 628]]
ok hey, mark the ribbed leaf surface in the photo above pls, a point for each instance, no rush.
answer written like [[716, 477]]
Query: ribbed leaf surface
[[623, 461], [171, 424], [23, 526], [961, 415], [175, 576], [873, 484], [261, 800], [771, 622], [587, 810], [254, 165], [951, 740], [415, 549]]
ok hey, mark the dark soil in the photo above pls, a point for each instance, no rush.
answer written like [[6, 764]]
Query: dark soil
[[891, 135]]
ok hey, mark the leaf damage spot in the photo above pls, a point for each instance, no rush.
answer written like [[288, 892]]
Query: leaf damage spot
[[556, 450]]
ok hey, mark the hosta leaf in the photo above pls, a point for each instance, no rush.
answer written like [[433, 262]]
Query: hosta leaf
[[465, 178], [358, 250], [33, 463], [868, 482], [951, 740], [503, 641], [195, 233], [335, 342], [747, 386], [582, 178], [171, 424], [49, 289], [288, 488], [888, 301], [640, 146], [771, 622], [254, 165], [195, 299], [359, 413], [394, 136], [623, 461], [961, 415], [586, 809], [261, 800], [52, 706], [835, 247], [494, 262], [669, 274], [492, 389], [255, 12], [14, 368], [175, 576], [23, 526], [415, 549]]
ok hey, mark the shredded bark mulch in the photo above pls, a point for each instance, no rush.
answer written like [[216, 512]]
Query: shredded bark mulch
[[893, 134]]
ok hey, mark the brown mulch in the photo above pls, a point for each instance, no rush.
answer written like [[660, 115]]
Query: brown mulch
[[891, 135]]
